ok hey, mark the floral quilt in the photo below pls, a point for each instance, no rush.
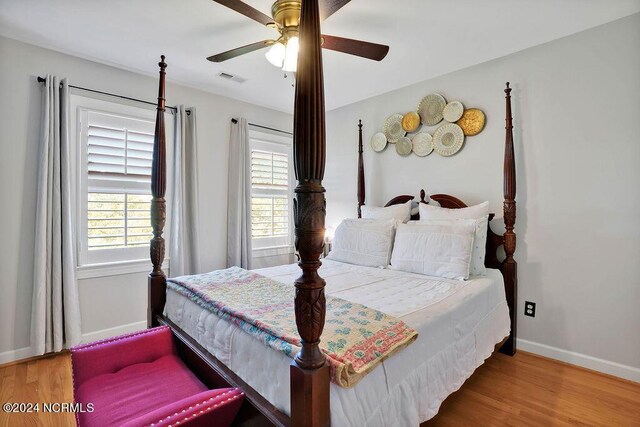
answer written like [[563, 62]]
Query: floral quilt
[[355, 338]]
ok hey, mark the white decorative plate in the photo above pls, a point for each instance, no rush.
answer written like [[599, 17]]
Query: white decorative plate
[[378, 142], [430, 109], [448, 139], [422, 144], [453, 111], [403, 146], [393, 128]]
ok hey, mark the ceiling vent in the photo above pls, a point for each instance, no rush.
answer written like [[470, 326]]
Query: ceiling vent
[[231, 77]]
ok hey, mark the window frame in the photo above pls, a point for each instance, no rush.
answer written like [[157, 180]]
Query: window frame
[[281, 143], [106, 262]]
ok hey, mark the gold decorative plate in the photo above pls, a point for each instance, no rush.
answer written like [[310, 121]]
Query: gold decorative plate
[[448, 139], [472, 121], [453, 111], [431, 108], [410, 121], [422, 144], [378, 142], [404, 146], [393, 128]]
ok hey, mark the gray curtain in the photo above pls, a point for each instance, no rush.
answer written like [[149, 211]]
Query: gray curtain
[[183, 253], [239, 197], [55, 320]]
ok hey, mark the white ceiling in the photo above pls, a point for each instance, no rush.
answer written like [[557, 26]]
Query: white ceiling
[[427, 38]]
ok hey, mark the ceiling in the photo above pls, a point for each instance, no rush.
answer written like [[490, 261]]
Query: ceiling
[[427, 38]]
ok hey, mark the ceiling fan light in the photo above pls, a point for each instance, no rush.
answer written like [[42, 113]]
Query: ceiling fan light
[[276, 54], [291, 56]]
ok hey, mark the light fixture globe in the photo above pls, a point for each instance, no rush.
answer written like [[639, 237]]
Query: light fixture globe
[[291, 57], [276, 54]]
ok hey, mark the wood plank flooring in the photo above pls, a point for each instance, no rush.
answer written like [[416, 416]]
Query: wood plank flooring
[[525, 390]]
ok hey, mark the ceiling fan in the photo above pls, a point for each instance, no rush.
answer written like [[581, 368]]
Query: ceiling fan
[[285, 18]]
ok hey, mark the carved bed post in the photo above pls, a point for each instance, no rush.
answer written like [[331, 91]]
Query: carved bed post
[[309, 371], [509, 266], [157, 279], [361, 193]]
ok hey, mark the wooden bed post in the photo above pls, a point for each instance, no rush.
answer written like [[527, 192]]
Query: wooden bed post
[[309, 370], [509, 266], [361, 192], [157, 279]]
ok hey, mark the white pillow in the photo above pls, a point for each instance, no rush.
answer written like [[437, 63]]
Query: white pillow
[[441, 249], [479, 212], [398, 212], [365, 242]]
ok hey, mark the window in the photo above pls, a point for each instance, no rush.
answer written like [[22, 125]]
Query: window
[[271, 184], [113, 197]]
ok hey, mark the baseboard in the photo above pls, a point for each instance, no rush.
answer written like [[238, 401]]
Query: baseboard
[[113, 332], [13, 355], [578, 359]]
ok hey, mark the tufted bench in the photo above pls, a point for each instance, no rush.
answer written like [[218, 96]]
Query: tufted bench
[[138, 380]]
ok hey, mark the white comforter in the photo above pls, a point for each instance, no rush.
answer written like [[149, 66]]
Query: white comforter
[[459, 323]]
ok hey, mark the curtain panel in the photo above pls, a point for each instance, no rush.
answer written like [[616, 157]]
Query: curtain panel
[[55, 320], [239, 197], [183, 249]]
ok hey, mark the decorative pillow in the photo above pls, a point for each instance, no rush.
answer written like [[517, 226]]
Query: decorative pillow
[[479, 212], [441, 249], [398, 212], [366, 242]]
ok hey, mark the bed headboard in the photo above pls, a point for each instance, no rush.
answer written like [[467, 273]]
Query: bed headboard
[[508, 266]]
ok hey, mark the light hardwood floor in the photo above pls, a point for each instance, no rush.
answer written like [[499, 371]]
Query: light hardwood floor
[[525, 390]]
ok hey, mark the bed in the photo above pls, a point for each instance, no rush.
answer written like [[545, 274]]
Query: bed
[[458, 323]]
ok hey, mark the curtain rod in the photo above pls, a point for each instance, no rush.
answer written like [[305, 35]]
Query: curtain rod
[[264, 127], [42, 80]]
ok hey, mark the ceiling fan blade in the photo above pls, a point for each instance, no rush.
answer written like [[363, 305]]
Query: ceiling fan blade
[[368, 50], [240, 51], [247, 11], [329, 7]]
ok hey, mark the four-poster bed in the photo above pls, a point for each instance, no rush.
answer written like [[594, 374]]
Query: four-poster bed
[[309, 373]]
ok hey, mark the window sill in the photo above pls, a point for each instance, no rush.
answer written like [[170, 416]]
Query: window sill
[[273, 251], [91, 271]]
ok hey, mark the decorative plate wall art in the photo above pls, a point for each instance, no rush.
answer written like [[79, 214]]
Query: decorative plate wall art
[[422, 144], [424, 131], [431, 108], [453, 111], [393, 128], [404, 146], [378, 142], [448, 139], [472, 121], [411, 122]]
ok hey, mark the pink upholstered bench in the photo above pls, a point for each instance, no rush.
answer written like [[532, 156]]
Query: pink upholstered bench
[[138, 380]]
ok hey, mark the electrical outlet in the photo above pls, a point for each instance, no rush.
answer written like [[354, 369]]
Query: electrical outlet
[[530, 308]]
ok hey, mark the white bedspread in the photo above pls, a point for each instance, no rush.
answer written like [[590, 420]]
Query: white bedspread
[[459, 323]]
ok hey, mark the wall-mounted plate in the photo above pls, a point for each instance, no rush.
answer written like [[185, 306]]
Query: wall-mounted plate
[[422, 144], [378, 142], [393, 128], [453, 111], [448, 139], [404, 146], [431, 108], [472, 121]]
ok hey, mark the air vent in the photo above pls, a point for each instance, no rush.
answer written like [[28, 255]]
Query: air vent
[[231, 77]]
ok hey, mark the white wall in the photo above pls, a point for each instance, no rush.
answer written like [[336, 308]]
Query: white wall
[[112, 302], [577, 142]]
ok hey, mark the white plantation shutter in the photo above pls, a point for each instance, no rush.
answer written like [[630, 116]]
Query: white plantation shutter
[[271, 179], [118, 152]]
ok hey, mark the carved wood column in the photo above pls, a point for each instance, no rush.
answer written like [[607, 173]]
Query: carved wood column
[[157, 277], [309, 372], [361, 192], [509, 266]]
